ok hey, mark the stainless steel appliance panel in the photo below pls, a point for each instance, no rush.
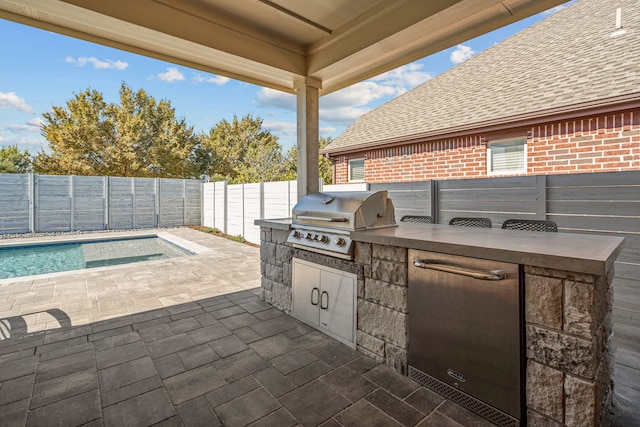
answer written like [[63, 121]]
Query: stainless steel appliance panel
[[465, 326]]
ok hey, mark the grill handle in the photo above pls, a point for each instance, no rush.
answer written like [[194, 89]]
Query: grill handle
[[319, 218], [448, 268]]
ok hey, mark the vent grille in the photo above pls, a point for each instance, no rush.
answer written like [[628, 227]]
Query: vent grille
[[486, 411]]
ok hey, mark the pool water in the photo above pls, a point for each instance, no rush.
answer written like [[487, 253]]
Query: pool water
[[18, 261]]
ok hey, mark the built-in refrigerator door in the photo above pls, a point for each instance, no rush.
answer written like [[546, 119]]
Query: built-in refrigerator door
[[465, 326]]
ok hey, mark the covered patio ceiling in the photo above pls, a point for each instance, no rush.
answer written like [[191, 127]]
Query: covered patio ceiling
[[277, 43]]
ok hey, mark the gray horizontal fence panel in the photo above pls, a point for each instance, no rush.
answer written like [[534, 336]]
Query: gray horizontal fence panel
[[595, 202], [604, 193], [120, 203], [409, 198], [252, 202], [617, 179], [193, 202], [144, 202], [596, 223], [16, 224], [14, 203], [53, 208], [88, 203], [235, 210], [495, 198], [171, 194], [276, 199], [595, 207]]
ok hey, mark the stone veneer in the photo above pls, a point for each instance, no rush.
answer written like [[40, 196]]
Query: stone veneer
[[569, 339]]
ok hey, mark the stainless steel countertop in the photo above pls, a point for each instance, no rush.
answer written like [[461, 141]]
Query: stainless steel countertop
[[580, 253]]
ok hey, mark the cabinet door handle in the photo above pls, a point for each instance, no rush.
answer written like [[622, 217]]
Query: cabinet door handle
[[317, 292], [324, 305]]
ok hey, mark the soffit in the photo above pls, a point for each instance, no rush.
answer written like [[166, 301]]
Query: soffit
[[277, 43]]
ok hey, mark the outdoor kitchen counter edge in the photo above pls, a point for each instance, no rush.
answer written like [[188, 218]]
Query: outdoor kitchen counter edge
[[580, 253]]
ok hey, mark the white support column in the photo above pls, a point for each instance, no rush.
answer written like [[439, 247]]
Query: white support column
[[308, 123]]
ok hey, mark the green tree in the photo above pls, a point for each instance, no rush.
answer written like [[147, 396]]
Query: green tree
[[14, 160], [241, 152], [140, 137], [324, 164]]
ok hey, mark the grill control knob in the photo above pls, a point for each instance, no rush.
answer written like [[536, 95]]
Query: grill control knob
[[296, 234], [324, 239], [339, 241], [309, 236]]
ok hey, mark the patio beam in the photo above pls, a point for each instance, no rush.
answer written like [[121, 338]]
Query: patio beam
[[307, 94]]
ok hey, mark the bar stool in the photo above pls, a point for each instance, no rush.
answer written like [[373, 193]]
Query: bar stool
[[470, 222], [530, 225], [417, 218]]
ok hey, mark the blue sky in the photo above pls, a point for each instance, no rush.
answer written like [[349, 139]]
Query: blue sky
[[41, 69]]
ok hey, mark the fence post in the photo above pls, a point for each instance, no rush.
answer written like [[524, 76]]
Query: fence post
[[184, 202], [541, 197], [262, 200], [32, 206], [434, 200], [202, 202], [156, 207], [226, 209], [71, 202], [105, 189]]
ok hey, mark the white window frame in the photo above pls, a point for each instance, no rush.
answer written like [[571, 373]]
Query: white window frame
[[490, 171], [360, 159]]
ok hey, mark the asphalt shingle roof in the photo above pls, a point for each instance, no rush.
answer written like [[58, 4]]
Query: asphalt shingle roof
[[568, 59]]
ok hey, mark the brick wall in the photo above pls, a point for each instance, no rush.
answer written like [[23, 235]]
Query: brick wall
[[603, 143]]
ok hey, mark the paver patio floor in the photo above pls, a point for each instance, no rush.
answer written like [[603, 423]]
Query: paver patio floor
[[188, 342]]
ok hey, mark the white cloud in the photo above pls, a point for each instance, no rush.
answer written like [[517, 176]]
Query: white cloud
[[327, 131], [33, 125], [9, 100], [346, 105], [171, 75], [461, 54], [217, 80], [284, 128], [275, 98], [98, 64], [405, 77]]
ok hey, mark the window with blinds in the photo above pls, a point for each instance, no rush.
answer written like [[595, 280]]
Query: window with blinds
[[356, 170], [507, 156]]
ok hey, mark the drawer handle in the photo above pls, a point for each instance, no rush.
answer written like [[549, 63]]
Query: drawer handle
[[324, 305], [448, 268], [317, 292]]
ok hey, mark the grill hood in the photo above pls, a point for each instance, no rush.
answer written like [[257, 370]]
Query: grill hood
[[349, 210]]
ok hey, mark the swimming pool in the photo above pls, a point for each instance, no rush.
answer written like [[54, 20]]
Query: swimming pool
[[28, 260]]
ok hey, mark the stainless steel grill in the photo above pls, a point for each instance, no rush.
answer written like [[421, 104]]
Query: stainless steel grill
[[322, 222]]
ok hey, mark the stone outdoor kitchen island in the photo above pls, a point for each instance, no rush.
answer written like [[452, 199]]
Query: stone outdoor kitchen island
[[567, 304]]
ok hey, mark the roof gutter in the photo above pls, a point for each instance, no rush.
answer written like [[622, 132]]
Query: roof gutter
[[601, 106]]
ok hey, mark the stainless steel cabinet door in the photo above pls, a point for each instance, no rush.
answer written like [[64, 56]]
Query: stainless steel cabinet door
[[325, 298], [306, 292], [336, 303]]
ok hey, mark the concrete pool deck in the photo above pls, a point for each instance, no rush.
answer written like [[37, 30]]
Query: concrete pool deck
[[187, 342]]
